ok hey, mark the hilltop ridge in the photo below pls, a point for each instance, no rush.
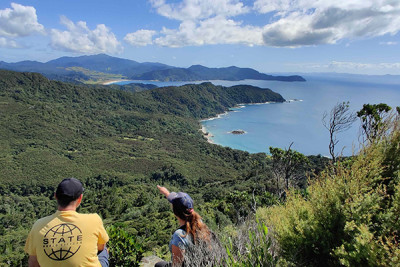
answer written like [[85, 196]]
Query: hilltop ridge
[[100, 68], [199, 73]]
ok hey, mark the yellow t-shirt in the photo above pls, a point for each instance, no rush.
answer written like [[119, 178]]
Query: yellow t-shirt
[[66, 238]]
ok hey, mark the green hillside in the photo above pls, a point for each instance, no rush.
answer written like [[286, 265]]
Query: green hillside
[[84, 131], [121, 144]]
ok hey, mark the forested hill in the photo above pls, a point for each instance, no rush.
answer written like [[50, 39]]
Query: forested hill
[[199, 73], [101, 68], [51, 129], [192, 100], [120, 144], [84, 68]]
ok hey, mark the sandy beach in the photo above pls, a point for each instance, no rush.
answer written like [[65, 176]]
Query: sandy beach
[[112, 81], [207, 135]]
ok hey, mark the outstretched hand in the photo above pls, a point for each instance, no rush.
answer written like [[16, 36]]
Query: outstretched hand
[[163, 190]]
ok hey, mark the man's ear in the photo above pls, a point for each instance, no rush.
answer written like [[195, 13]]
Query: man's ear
[[79, 200], [55, 196]]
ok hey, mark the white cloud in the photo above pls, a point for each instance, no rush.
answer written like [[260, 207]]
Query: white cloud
[[289, 23], [140, 37], [199, 9], [313, 22], [79, 38], [4, 42], [19, 21], [388, 43], [206, 22], [217, 30]]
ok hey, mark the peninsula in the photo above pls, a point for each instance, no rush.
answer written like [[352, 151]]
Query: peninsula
[[101, 68]]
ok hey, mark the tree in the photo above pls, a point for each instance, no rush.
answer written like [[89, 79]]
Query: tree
[[340, 119], [372, 117], [287, 164]]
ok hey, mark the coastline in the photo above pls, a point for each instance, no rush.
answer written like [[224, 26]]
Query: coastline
[[133, 81], [113, 81], [235, 108], [209, 135]]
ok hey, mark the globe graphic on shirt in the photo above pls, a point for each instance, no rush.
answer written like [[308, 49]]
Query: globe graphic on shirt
[[62, 241]]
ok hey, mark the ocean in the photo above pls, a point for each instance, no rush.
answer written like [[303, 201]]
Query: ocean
[[300, 121]]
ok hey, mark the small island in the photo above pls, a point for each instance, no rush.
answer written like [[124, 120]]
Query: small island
[[238, 132]]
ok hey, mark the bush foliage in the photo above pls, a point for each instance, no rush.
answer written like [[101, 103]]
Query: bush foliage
[[349, 215], [123, 248]]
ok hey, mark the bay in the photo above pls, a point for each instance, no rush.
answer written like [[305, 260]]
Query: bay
[[300, 122]]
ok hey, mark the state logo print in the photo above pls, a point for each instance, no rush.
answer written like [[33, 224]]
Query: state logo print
[[62, 241]]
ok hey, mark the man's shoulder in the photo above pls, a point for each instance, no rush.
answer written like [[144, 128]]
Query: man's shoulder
[[43, 221], [89, 216]]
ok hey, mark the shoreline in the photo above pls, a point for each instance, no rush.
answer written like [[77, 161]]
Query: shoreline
[[237, 107], [113, 81], [209, 135]]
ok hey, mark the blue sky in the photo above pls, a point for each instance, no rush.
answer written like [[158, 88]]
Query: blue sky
[[351, 36]]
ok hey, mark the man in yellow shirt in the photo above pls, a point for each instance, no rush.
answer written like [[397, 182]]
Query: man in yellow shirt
[[68, 238]]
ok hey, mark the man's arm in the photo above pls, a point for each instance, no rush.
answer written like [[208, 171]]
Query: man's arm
[[100, 247], [32, 261]]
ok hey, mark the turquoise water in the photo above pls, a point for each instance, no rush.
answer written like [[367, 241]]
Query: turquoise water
[[300, 122]]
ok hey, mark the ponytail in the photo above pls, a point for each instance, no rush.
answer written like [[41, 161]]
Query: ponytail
[[194, 225]]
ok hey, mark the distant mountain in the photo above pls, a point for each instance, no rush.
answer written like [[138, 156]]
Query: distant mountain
[[50, 71], [174, 74], [108, 64], [198, 73], [101, 67], [81, 69], [234, 74]]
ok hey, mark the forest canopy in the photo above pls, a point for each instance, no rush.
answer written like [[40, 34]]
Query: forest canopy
[[282, 209], [120, 144]]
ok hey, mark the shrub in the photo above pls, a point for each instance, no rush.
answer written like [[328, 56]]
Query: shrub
[[123, 248], [251, 247], [350, 214]]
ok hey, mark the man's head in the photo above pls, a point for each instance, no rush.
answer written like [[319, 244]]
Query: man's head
[[69, 190]]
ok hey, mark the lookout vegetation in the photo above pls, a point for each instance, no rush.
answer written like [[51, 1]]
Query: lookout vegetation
[[282, 209]]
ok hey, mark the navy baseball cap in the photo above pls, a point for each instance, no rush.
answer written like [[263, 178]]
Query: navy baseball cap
[[181, 199], [69, 188]]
